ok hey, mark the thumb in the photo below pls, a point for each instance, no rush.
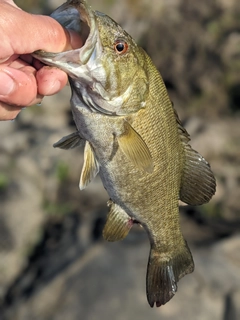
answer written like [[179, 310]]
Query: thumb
[[32, 32], [53, 37]]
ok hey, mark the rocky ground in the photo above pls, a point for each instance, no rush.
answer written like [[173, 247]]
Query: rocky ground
[[53, 261]]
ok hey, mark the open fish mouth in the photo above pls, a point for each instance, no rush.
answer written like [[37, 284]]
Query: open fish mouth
[[78, 16], [75, 19]]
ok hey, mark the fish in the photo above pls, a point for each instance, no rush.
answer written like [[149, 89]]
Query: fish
[[134, 139]]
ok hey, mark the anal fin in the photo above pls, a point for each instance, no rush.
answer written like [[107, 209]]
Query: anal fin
[[70, 141], [118, 223], [90, 167]]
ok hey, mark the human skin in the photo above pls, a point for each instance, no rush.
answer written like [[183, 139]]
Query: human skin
[[24, 81]]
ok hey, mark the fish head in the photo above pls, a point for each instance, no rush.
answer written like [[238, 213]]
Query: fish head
[[107, 73]]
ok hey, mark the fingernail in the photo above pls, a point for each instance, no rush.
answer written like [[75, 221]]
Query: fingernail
[[7, 84], [53, 87], [56, 86], [4, 60]]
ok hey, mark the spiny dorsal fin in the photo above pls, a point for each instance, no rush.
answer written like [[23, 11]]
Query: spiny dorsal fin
[[135, 149], [118, 223], [90, 167], [182, 131], [70, 141]]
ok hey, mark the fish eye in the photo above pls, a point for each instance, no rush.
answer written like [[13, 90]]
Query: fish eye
[[121, 46]]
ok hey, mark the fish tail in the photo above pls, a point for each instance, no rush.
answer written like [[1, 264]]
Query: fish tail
[[163, 273]]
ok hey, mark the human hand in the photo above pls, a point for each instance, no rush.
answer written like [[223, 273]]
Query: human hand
[[23, 80]]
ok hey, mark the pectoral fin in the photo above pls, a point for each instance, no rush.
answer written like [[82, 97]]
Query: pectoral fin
[[90, 167], [70, 141], [135, 149], [198, 184], [118, 223]]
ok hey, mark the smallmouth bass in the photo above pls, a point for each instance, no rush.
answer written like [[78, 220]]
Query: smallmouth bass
[[134, 139]]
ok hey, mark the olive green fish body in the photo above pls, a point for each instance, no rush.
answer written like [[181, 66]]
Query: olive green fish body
[[134, 139], [149, 198]]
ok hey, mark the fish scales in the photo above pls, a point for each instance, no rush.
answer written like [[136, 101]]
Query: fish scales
[[134, 139]]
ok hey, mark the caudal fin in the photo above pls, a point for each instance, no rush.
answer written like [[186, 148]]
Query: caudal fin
[[164, 272]]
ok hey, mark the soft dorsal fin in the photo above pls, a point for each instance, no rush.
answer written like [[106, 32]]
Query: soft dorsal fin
[[70, 141], [198, 183], [135, 149], [118, 223], [90, 167]]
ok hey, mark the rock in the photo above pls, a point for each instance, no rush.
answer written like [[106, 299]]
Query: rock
[[234, 307], [108, 281]]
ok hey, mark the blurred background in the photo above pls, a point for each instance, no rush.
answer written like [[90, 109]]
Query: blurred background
[[54, 264]]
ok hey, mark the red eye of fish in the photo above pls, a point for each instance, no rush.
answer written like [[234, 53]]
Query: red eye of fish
[[121, 47]]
